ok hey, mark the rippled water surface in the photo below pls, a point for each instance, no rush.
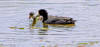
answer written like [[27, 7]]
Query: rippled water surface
[[86, 31]]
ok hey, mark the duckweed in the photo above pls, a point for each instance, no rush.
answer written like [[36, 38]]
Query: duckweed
[[83, 43], [20, 28], [12, 27]]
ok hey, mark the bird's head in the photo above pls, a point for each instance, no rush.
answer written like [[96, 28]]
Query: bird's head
[[31, 15], [43, 13]]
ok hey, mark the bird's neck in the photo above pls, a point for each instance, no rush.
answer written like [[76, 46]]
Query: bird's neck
[[45, 17]]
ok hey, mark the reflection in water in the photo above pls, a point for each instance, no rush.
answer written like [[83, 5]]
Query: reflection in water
[[44, 40], [43, 30], [23, 35], [62, 25]]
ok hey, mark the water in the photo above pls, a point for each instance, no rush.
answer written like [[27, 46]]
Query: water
[[14, 13]]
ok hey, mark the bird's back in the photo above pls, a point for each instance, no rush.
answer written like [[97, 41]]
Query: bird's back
[[59, 20]]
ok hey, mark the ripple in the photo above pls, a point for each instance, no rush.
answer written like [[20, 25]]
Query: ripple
[[14, 14]]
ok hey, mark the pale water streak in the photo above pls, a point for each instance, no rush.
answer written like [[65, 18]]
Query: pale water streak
[[15, 13]]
